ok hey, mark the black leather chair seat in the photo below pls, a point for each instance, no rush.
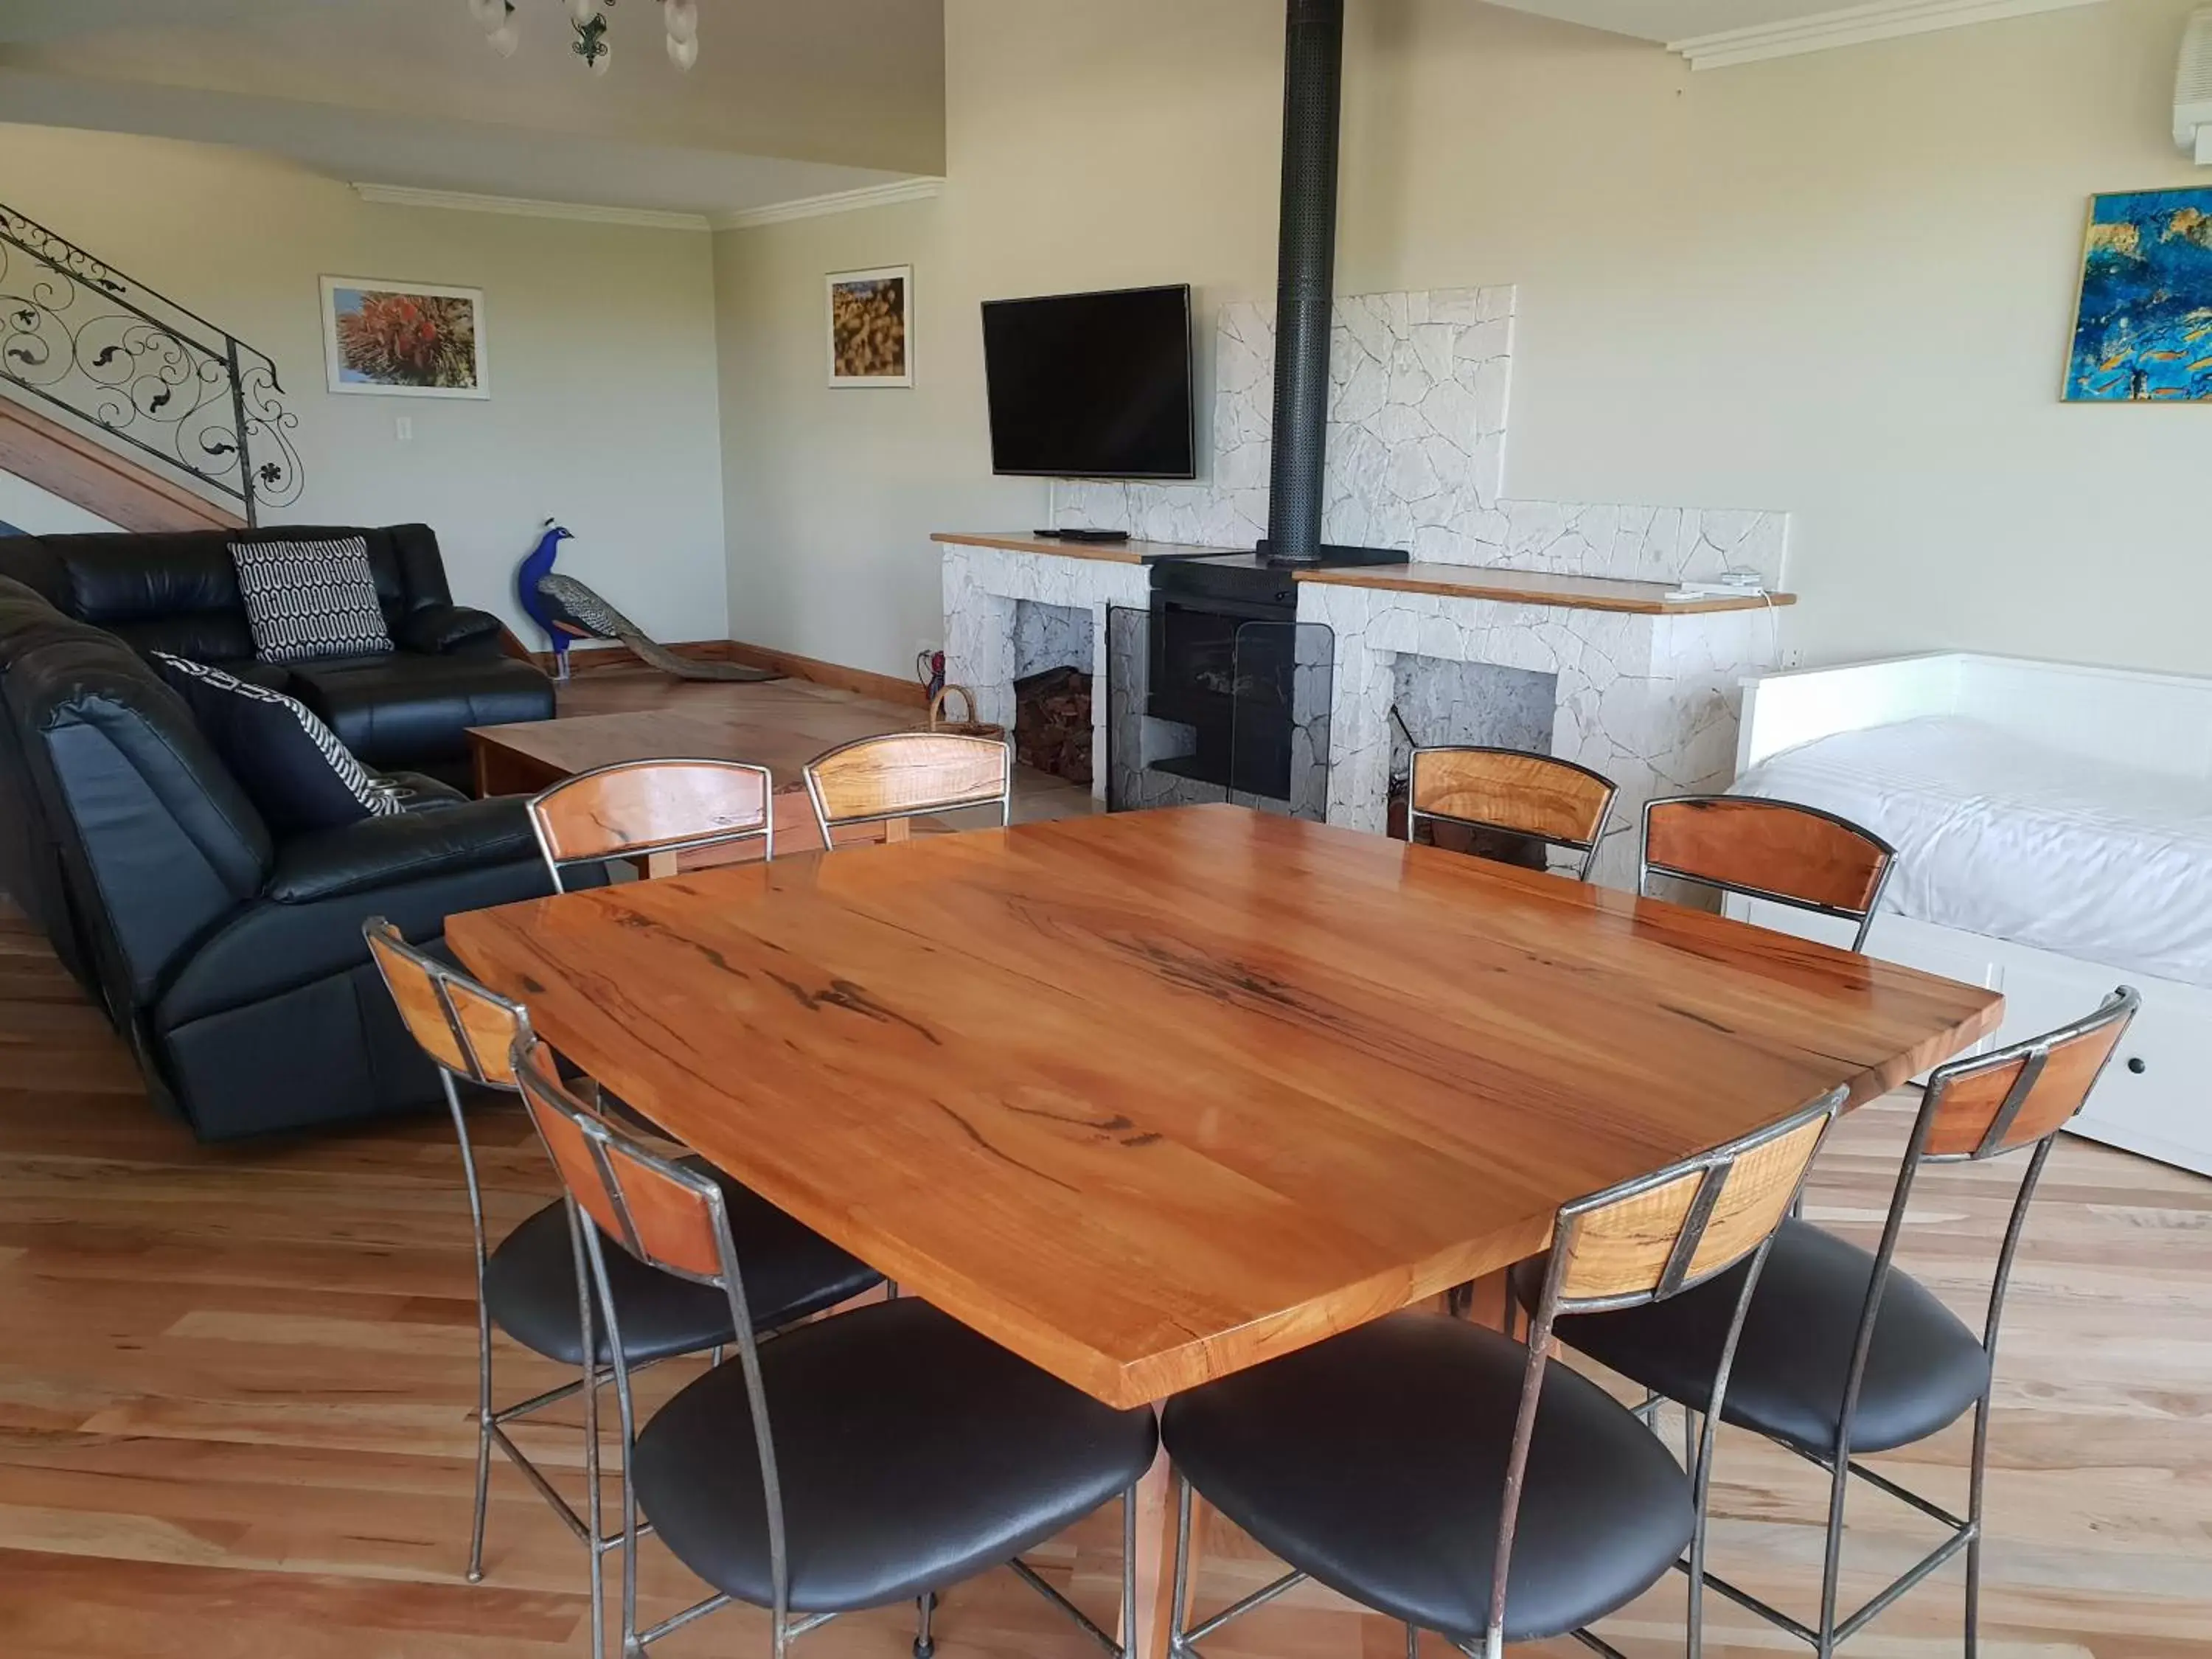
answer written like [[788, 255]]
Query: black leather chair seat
[[1375, 1463], [1923, 1371], [912, 1454], [405, 708], [530, 1284]]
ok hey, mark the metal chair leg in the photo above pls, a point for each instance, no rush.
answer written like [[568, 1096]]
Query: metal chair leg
[[1833, 1567], [1179, 1614], [1974, 1519], [924, 1644], [1412, 1643], [594, 1522], [484, 1442], [483, 1328]]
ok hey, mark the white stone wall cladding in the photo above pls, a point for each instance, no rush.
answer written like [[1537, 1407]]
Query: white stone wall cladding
[[983, 586], [1649, 701], [1420, 388], [1051, 637]]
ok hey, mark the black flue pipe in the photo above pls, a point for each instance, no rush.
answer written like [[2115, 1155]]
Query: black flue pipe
[[1313, 99]]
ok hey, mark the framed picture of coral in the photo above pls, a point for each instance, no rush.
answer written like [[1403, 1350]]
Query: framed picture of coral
[[2142, 330], [404, 339], [871, 324]]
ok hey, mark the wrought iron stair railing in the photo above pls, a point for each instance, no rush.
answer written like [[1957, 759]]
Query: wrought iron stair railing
[[141, 369]]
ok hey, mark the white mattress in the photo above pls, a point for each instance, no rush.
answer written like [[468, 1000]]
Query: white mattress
[[1998, 836]]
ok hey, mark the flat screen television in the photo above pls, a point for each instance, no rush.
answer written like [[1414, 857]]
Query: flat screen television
[[1091, 385]]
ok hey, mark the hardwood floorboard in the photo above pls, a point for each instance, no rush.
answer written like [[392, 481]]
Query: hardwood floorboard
[[235, 1385]]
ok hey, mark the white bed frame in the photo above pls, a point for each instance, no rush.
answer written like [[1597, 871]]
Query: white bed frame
[[2156, 1098]]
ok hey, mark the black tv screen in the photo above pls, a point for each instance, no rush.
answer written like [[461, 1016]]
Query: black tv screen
[[1091, 385]]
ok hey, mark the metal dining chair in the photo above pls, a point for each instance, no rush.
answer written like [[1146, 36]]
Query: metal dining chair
[[653, 810], [1452, 1477], [863, 1460], [897, 777], [1842, 1354], [1778, 850], [1555, 802], [533, 1285]]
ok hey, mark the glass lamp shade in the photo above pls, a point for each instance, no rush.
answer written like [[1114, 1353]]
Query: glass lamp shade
[[488, 13], [682, 17], [507, 37], [582, 11], [683, 53]]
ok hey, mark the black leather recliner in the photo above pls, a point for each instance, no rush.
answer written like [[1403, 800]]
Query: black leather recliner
[[408, 710], [231, 961]]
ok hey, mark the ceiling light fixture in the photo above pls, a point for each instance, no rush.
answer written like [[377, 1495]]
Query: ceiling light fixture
[[502, 29]]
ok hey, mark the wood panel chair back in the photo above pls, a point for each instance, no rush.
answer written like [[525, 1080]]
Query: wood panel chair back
[[1769, 849], [1651, 1238], [638, 808], [1553, 801], [468, 1030], [1991, 1104], [902, 776]]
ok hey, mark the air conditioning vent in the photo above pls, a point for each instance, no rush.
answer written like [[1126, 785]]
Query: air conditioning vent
[[2193, 90]]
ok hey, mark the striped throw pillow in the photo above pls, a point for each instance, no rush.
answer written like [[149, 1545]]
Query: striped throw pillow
[[294, 768], [306, 599]]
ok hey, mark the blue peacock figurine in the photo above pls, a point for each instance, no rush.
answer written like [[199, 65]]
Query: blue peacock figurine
[[568, 611]]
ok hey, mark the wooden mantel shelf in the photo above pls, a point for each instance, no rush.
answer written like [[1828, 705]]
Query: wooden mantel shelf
[[1467, 581], [1129, 552], [1455, 582]]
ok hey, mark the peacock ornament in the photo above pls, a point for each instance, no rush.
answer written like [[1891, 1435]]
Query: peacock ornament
[[568, 611]]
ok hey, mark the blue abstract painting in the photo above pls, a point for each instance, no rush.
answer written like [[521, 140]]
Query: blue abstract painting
[[2144, 334]]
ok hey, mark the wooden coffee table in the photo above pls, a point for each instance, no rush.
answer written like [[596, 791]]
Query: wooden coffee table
[[779, 731]]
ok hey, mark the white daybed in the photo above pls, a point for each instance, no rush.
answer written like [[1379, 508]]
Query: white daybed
[[2054, 827]]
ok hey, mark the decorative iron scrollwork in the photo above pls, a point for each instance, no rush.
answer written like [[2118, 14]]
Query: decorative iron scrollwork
[[154, 377]]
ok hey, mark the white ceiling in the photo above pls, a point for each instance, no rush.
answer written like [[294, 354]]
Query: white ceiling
[[1662, 20], [786, 101]]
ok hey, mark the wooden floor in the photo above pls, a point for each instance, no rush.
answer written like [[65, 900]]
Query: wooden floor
[[235, 1387]]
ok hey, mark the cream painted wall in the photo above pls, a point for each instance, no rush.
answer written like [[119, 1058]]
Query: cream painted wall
[[604, 411], [1839, 284]]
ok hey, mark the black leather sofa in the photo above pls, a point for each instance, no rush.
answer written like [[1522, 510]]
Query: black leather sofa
[[231, 961], [408, 710]]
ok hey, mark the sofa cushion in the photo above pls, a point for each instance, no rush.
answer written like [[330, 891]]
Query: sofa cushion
[[410, 710], [308, 599], [297, 773]]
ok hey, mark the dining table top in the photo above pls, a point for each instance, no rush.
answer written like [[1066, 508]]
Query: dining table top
[[1151, 1097]]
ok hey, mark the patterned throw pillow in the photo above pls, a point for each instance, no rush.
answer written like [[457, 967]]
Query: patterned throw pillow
[[310, 599], [292, 766]]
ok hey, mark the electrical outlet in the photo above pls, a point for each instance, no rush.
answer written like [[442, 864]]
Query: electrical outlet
[[1794, 657], [402, 428]]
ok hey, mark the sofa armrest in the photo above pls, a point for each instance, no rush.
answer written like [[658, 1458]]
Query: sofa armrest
[[437, 628], [390, 852]]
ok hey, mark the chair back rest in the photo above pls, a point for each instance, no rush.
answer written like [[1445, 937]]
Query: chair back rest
[[1536, 795], [1649, 1238], [639, 807], [903, 774], [666, 1216], [1991, 1104], [1769, 849], [466, 1029]]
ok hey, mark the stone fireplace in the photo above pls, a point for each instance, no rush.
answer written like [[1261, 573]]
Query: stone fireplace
[[1630, 684]]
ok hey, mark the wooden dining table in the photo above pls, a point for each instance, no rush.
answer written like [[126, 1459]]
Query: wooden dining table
[[1152, 1097]]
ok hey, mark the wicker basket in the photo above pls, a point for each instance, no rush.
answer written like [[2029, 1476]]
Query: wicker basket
[[969, 727]]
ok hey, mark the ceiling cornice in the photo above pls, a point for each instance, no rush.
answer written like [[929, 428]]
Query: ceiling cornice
[[524, 207], [1853, 26], [841, 201]]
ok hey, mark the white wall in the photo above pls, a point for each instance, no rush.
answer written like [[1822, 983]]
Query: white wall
[[1839, 284], [604, 411]]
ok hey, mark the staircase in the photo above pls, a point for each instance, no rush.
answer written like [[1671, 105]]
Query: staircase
[[118, 399]]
